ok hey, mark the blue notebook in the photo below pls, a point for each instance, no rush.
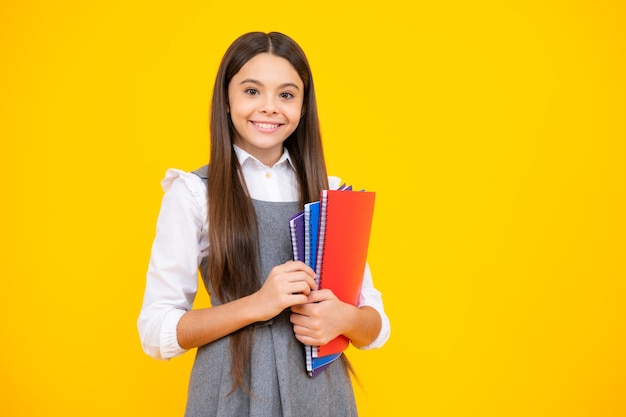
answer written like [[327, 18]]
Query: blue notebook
[[311, 230]]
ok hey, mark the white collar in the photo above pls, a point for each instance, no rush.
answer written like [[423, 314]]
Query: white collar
[[243, 156]]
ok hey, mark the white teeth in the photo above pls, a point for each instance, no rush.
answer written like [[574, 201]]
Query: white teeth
[[267, 125]]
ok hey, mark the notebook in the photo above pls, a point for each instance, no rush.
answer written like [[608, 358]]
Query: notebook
[[303, 227], [334, 233], [311, 229], [345, 225], [296, 230]]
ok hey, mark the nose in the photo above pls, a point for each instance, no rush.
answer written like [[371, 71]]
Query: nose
[[269, 106]]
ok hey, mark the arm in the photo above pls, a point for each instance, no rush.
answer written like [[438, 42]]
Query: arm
[[365, 326], [167, 324], [287, 285], [172, 276]]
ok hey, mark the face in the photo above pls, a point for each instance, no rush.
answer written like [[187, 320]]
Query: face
[[265, 104]]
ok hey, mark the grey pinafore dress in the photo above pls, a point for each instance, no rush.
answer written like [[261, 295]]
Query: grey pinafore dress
[[279, 382]]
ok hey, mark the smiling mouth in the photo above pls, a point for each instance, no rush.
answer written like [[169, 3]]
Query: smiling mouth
[[262, 125]]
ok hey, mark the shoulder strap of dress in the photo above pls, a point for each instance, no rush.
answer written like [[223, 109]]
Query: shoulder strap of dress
[[203, 173]]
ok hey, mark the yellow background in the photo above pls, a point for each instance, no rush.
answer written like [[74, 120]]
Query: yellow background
[[492, 131]]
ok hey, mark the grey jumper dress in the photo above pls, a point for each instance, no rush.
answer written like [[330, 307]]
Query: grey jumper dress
[[279, 383]]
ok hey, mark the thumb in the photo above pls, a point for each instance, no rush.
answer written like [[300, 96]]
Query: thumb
[[320, 295]]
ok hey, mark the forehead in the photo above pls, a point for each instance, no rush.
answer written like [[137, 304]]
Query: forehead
[[268, 69]]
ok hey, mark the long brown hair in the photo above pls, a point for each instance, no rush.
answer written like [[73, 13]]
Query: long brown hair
[[233, 234]]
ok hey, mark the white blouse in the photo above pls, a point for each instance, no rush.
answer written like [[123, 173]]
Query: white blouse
[[181, 242]]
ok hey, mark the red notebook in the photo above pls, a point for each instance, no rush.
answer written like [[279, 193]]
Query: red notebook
[[345, 225]]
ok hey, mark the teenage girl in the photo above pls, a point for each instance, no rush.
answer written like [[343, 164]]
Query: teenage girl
[[229, 220]]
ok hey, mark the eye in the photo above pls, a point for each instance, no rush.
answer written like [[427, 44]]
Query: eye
[[251, 91], [286, 96]]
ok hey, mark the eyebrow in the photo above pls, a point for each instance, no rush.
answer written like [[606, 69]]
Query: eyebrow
[[257, 82]]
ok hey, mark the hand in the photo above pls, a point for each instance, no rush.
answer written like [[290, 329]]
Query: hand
[[320, 320], [287, 285]]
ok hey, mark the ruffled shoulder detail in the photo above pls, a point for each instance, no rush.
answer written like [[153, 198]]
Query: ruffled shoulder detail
[[191, 180], [175, 178]]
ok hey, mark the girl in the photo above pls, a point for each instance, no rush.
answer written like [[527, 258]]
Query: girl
[[230, 220]]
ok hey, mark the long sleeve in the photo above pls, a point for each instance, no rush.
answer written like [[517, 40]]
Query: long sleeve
[[172, 277]]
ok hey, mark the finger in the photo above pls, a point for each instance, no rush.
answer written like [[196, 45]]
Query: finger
[[307, 340], [302, 328], [302, 287], [301, 277], [311, 283], [294, 266], [296, 299], [296, 319], [300, 309], [321, 295]]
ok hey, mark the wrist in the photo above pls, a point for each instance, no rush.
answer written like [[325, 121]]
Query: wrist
[[350, 322], [365, 325], [251, 307]]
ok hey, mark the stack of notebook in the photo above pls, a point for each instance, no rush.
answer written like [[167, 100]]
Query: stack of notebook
[[332, 237]]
